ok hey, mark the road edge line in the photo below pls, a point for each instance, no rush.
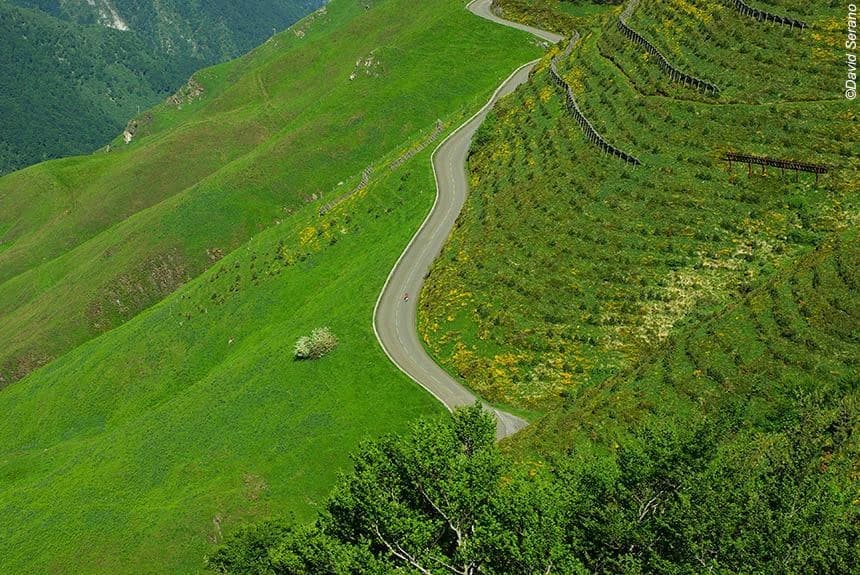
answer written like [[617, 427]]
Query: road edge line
[[491, 102]]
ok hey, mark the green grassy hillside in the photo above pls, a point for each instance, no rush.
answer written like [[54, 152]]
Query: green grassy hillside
[[691, 332], [568, 266], [135, 449], [75, 72], [103, 237]]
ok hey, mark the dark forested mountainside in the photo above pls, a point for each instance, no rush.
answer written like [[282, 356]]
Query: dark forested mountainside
[[206, 30], [74, 73]]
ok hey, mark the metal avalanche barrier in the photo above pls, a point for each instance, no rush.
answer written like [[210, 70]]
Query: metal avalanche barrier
[[764, 16], [674, 73], [764, 161], [362, 183], [591, 134]]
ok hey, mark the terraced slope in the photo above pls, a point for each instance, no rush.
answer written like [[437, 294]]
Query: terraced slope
[[139, 448], [567, 267], [789, 344], [668, 68], [750, 61]]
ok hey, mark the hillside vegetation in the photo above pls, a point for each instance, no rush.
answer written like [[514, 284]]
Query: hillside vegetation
[[684, 334], [690, 331], [105, 236], [175, 411], [788, 347], [733, 449], [74, 73], [568, 266]]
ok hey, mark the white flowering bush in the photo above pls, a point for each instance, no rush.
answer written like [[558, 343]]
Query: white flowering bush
[[320, 342]]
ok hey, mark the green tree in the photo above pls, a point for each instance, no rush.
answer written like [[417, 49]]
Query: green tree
[[442, 501], [672, 499]]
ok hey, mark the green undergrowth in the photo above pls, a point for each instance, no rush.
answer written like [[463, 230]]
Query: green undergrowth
[[567, 266], [103, 237], [790, 344], [562, 16]]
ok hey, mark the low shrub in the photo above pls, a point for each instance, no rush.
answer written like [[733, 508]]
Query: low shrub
[[320, 342]]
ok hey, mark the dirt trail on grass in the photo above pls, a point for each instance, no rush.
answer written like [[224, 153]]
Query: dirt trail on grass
[[394, 319]]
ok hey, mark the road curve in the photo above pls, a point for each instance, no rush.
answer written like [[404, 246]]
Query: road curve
[[394, 320]]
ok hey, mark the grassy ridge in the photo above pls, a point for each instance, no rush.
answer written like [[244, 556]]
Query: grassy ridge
[[106, 236], [567, 266], [136, 450]]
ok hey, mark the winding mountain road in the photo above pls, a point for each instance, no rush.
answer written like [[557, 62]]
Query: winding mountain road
[[394, 320]]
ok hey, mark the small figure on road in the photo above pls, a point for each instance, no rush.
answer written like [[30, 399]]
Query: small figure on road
[[406, 296]]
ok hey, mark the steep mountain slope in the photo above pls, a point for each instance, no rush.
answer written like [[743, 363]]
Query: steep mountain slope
[[710, 457], [134, 451], [569, 265], [690, 326], [75, 72], [202, 30], [788, 345], [209, 174]]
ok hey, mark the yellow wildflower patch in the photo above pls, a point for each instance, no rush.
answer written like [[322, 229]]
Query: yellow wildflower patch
[[529, 103], [307, 235], [696, 13], [545, 94]]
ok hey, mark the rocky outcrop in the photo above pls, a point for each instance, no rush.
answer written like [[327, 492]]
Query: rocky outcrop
[[133, 127], [191, 91]]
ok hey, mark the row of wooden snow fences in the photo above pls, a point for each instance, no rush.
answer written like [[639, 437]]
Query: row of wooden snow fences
[[674, 73], [591, 134], [763, 16], [783, 165], [412, 152], [365, 179]]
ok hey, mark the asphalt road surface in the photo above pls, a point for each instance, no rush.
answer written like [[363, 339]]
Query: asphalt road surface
[[394, 319]]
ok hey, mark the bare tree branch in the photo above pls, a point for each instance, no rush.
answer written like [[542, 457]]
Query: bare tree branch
[[444, 515], [649, 505], [400, 553]]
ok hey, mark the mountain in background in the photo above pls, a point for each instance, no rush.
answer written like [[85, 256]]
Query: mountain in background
[[75, 72]]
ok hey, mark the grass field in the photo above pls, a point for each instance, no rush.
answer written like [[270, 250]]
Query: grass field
[[150, 296], [103, 237], [567, 266], [119, 456], [182, 414]]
